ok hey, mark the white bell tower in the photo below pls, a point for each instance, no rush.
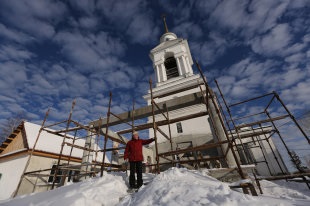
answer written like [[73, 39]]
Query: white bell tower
[[172, 63], [171, 58]]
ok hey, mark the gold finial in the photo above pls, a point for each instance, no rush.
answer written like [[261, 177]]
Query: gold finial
[[163, 16]]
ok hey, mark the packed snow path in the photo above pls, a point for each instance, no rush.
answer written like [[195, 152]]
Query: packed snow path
[[172, 187]]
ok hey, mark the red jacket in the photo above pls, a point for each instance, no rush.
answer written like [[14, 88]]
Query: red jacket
[[133, 149]]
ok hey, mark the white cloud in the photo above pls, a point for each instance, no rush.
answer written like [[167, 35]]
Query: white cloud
[[247, 18], [207, 52], [88, 52], [298, 94], [206, 7], [88, 22], [274, 42], [291, 77], [295, 58], [13, 76], [39, 85], [14, 35], [34, 17], [188, 30], [75, 47], [85, 6], [229, 14], [132, 17], [8, 52], [179, 11], [142, 29], [121, 12], [56, 73], [120, 79]]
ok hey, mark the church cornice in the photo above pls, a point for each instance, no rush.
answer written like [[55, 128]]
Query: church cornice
[[175, 84], [168, 44]]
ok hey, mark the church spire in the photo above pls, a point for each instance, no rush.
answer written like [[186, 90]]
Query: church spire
[[163, 16], [167, 36]]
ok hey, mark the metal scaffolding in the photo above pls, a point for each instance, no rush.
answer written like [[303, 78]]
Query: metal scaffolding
[[228, 136], [92, 166]]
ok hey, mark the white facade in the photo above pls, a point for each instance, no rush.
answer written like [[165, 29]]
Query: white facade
[[10, 171], [46, 153]]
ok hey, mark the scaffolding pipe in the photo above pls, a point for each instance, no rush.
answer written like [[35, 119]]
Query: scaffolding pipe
[[248, 100], [206, 102], [106, 136], [261, 121], [232, 121], [154, 128], [163, 122], [292, 117], [63, 143], [242, 175], [264, 156], [31, 153], [170, 137], [274, 154], [97, 141]]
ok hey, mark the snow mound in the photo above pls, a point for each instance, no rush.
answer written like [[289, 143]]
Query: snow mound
[[184, 187], [285, 192], [96, 191], [176, 186]]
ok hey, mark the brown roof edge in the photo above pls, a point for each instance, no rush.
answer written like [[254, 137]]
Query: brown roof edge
[[24, 135], [39, 153], [11, 136]]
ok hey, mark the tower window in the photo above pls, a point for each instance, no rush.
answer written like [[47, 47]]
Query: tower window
[[171, 67], [179, 127]]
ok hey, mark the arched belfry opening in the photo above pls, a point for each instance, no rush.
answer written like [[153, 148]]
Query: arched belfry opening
[[171, 67]]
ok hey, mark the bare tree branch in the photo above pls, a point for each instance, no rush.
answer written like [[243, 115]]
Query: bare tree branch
[[10, 125]]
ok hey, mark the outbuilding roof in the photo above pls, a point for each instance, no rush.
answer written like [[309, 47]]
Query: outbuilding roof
[[48, 142]]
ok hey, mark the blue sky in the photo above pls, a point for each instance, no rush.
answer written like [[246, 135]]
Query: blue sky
[[54, 51]]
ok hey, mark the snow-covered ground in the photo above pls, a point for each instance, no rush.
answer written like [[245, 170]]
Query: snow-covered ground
[[172, 187]]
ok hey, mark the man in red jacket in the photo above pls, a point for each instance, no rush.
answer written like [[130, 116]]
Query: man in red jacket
[[133, 153]]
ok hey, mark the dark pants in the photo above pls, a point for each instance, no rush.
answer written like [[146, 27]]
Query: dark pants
[[135, 167]]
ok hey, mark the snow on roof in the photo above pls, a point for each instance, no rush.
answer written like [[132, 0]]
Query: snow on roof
[[48, 142]]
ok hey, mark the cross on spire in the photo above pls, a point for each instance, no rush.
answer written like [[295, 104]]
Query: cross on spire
[[163, 16]]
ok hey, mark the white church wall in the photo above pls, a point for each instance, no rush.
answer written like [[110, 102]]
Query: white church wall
[[199, 125]]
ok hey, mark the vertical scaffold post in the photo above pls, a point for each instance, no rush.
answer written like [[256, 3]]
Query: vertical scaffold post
[[97, 143], [170, 137], [63, 143], [274, 154], [133, 115], [292, 117], [205, 101], [230, 145], [70, 155], [106, 136], [31, 153], [232, 121], [154, 127]]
